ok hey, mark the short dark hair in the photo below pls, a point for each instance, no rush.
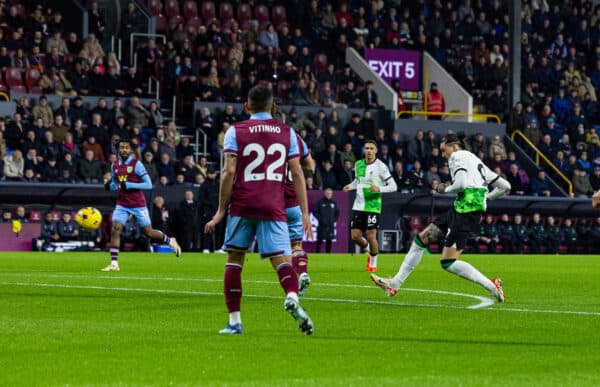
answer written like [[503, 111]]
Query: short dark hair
[[371, 142], [456, 138], [260, 99]]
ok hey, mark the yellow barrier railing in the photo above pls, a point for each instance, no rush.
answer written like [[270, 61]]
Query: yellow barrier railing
[[539, 154], [449, 114]]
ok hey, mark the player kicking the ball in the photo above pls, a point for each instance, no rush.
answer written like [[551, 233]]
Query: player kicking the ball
[[252, 186], [129, 178], [471, 179], [372, 178]]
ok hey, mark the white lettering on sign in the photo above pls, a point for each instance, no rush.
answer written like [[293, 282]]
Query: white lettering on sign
[[393, 69]]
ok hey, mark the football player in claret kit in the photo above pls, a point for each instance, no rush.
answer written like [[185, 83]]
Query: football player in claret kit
[[252, 187], [129, 178], [372, 178], [471, 179], [294, 213]]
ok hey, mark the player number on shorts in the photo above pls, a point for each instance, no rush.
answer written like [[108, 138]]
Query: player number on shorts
[[372, 219], [250, 175]]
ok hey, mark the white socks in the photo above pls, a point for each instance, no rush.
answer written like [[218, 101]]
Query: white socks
[[373, 260], [235, 318], [411, 260], [465, 270]]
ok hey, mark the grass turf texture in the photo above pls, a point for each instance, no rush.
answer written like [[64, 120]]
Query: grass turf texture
[[62, 321]]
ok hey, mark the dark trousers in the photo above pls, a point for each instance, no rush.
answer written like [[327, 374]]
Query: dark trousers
[[327, 245]]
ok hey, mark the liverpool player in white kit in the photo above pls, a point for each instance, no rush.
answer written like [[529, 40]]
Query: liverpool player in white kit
[[252, 187]]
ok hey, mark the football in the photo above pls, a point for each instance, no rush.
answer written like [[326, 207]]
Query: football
[[88, 218]]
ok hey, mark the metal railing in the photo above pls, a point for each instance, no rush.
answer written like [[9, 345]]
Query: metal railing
[[204, 142], [119, 45], [140, 34], [450, 114], [539, 154], [157, 82]]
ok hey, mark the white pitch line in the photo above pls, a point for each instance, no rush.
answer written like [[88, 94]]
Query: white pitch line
[[484, 302], [323, 299]]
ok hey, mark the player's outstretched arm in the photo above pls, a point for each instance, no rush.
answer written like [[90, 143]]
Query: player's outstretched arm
[[300, 188], [225, 192], [501, 187], [145, 184]]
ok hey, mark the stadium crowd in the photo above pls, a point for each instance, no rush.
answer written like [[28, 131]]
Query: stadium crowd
[[217, 51]]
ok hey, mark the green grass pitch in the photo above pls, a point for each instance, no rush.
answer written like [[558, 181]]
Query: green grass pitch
[[63, 322]]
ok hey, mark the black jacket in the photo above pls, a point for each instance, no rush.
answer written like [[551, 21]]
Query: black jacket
[[49, 229], [209, 197], [327, 213]]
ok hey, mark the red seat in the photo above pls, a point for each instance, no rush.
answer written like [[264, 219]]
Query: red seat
[[191, 30], [190, 9], [155, 7], [173, 21], [278, 15], [194, 21], [225, 11], [244, 13], [14, 77], [207, 9], [320, 63], [56, 215], [36, 90], [283, 90], [35, 216], [161, 24], [171, 8], [261, 13], [32, 76], [19, 89]]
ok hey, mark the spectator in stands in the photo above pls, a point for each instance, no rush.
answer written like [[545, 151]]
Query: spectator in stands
[[159, 215], [561, 105], [539, 184], [417, 148], [569, 236], [497, 147], [59, 129], [68, 164], [67, 228], [13, 166], [51, 148], [166, 168], [328, 176], [15, 132], [33, 162], [44, 111], [516, 183], [506, 235], [595, 178], [96, 149], [90, 168], [368, 97], [581, 183], [49, 232], [517, 118], [137, 114], [269, 37], [7, 216], [497, 102]]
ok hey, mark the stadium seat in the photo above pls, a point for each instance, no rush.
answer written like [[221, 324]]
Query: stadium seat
[[227, 24], [19, 89], [56, 215], [194, 21], [161, 24], [172, 8], [36, 90], [175, 20], [155, 7], [207, 10], [14, 77], [225, 11], [35, 216], [244, 13], [278, 15], [261, 13], [283, 89], [32, 76], [190, 9], [320, 63]]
